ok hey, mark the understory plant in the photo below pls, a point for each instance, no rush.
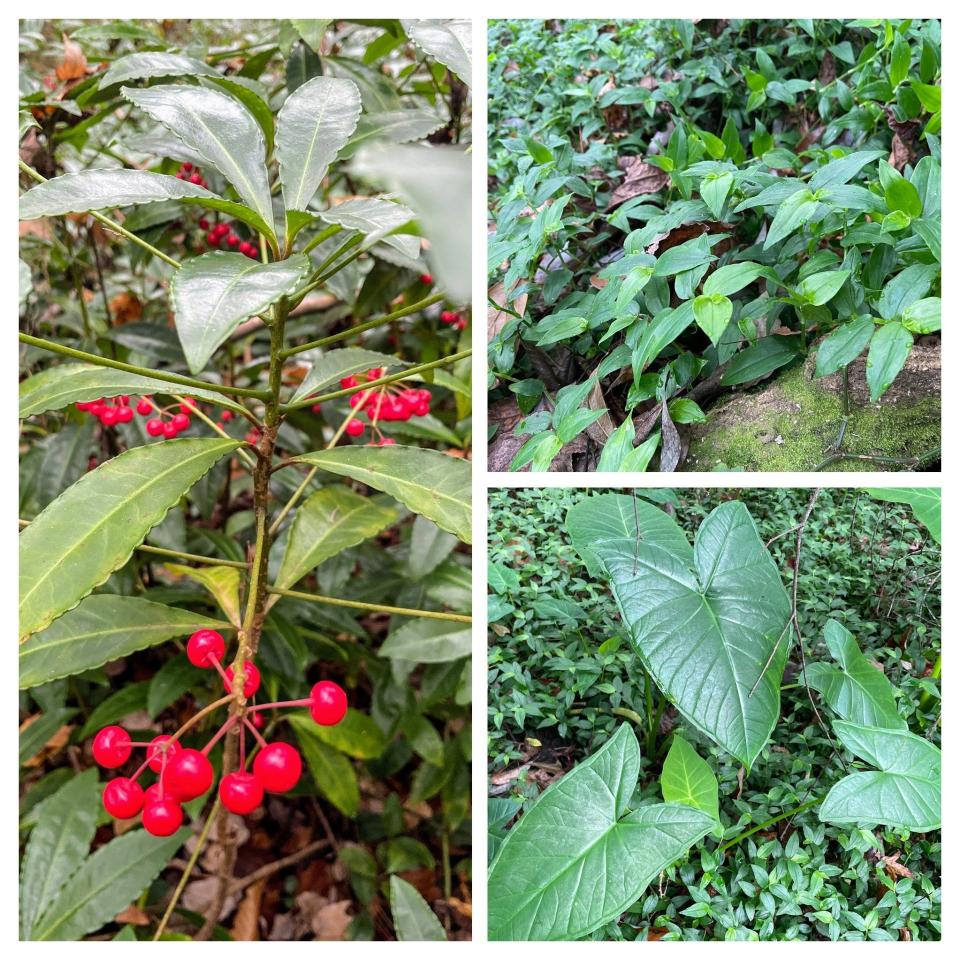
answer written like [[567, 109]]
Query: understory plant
[[714, 629], [209, 250], [681, 210]]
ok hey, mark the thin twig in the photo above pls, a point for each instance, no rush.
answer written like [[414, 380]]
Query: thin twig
[[268, 870]]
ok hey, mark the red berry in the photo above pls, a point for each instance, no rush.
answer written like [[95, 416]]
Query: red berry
[[122, 798], [196, 178], [188, 775], [162, 817], [110, 416], [188, 405], [181, 421], [186, 167], [144, 408], [155, 753], [169, 429], [124, 414], [251, 682], [221, 229], [154, 427], [111, 747], [233, 240], [422, 408], [213, 238], [203, 645], [226, 416], [316, 408], [347, 382], [426, 278], [252, 253], [355, 428], [258, 720], [278, 767], [241, 792], [448, 316], [375, 374], [329, 704], [204, 223], [246, 248], [387, 442], [461, 324]]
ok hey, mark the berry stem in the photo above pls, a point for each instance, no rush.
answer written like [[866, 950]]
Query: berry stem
[[392, 378], [255, 732], [363, 327], [280, 703], [197, 412], [372, 607], [224, 729], [199, 715]]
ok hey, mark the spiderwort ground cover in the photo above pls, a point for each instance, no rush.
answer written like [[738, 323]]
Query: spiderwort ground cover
[[680, 212]]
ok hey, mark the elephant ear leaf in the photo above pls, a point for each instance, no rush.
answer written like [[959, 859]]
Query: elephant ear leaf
[[904, 792], [859, 692], [579, 857], [711, 628], [687, 778]]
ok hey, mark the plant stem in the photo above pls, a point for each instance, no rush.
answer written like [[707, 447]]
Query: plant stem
[[392, 378], [185, 876], [372, 607], [770, 823], [54, 347], [107, 222], [332, 230], [363, 327]]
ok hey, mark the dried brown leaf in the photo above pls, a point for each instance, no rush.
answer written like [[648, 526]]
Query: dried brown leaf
[[641, 178], [246, 924], [73, 66], [497, 319], [669, 441]]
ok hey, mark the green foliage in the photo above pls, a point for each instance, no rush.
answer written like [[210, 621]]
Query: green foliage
[[562, 678], [274, 130], [636, 176]]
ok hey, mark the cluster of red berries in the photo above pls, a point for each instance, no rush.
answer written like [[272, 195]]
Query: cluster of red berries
[[185, 774], [191, 174], [220, 234], [453, 319], [119, 410], [386, 403]]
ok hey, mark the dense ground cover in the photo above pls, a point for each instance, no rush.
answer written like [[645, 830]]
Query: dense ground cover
[[563, 677], [682, 211], [200, 202]]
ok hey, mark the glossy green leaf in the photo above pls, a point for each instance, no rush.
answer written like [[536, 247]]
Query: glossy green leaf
[[732, 278], [820, 288], [760, 359], [447, 41], [146, 65], [334, 365], [100, 629], [903, 793], [214, 293], [709, 623], [375, 218], [332, 772], [427, 641], [395, 126], [58, 845], [715, 189], [843, 169], [223, 584], [922, 316], [793, 213], [843, 345], [713, 313], [925, 502], [412, 917], [858, 691], [687, 778], [253, 96], [538, 452], [108, 881], [357, 734], [221, 130], [579, 857], [105, 190], [66, 383], [684, 257], [315, 121], [889, 349], [92, 529], [906, 288], [326, 523], [428, 482]]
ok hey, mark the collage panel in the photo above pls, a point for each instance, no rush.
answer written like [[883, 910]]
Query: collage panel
[[714, 245], [245, 464], [714, 714]]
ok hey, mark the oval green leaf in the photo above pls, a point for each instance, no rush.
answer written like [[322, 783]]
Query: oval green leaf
[[336, 364]]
